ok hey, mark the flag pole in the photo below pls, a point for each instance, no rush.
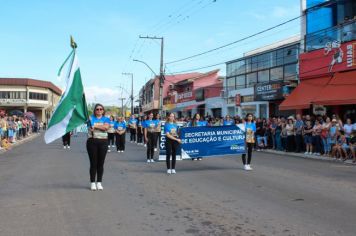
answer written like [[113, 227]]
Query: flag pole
[[74, 45]]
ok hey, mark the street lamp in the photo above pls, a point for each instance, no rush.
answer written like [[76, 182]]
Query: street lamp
[[145, 65]]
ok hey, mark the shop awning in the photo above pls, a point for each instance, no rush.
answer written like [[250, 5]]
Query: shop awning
[[341, 90], [303, 95]]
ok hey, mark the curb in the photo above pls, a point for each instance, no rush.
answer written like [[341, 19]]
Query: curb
[[18, 143], [310, 157]]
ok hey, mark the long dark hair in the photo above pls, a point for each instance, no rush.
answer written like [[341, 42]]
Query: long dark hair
[[247, 115], [99, 105], [194, 122]]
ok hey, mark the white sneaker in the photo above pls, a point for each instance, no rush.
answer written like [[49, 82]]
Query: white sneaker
[[169, 171], [148, 161], [68, 147], [122, 151], [109, 150], [118, 150], [247, 167], [93, 186], [310, 153], [155, 149], [99, 186], [152, 160], [64, 147], [173, 171], [109, 146], [306, 153], [145, 145], [112, 146]]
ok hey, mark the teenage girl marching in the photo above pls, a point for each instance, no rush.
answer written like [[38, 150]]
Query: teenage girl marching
[[111, 132], [172, 142], [250, 128], [120, 132], [150, 126]]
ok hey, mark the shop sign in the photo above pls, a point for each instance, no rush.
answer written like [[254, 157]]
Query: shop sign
[[12, 101], [269, 91], [335, 57], [185, 96], [319, 110], [238, 100]]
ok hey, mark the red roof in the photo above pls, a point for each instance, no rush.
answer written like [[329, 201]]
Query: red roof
[[31, 82]]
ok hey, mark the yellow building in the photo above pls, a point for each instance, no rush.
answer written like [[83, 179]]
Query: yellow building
[[29, 95]]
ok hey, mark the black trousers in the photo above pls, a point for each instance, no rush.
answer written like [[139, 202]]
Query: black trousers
[[171, 150], [299, 143], [120, 142], [150, 145], [156, 141], [290, 143], [249, 147], [97, 149], [139, 136], [133, 135], [111, 137], [66, 139]]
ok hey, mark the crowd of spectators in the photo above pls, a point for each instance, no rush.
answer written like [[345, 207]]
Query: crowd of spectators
[[13, 128]]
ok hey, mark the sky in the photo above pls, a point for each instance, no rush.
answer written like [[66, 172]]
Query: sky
[[35, 34]]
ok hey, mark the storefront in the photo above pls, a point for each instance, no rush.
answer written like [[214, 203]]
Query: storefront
[[328, 78]]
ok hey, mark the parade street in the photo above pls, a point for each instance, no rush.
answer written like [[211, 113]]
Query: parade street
[[45, 191]]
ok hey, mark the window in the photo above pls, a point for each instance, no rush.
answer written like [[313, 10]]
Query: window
[[249, 98], [254, 63], [240, 67], [290, 54], [230, 83], [263, 76], [279, 57], [264, 61], [240, 81], [248, 65], [276, 73], [38, 96], [251, 79], [12, 95], [290, 72]]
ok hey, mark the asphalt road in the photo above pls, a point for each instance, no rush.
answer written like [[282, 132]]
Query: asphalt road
[[44, 190]]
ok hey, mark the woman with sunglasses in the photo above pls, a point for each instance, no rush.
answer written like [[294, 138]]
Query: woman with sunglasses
[[97, 145], [250, 128], [150, 126], [172, 142]]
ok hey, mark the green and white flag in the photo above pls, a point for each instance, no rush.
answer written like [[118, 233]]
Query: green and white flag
[[71, 110]]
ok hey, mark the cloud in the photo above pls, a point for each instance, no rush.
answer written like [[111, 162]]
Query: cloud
[[106, 96]]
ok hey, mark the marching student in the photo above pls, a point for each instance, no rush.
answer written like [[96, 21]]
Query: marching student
[[250, 129], [111, 133], [66, 140], [120, 132], [196, 122], [143, 130], [150, 126], [172, 142], [139, 131], [228, 121], [133, 128], [97, 145], [157, 131]]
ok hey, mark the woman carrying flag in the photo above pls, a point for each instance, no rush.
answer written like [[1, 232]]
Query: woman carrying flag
[[97, 145]]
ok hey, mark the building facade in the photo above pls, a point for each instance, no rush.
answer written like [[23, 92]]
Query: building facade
[[259, 81], [29, 95], [328, 61]]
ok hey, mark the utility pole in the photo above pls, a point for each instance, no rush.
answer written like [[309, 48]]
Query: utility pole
[[122, 106], [161, 72], [131, 97]]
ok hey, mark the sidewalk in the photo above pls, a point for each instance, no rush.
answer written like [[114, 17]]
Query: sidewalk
[[19, 142], [302, 155]]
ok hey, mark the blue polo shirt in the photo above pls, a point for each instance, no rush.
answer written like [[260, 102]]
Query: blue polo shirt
[[198, 123], [171, 128], [94, 121], [229, 122], [151, 125], [120, 125]]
